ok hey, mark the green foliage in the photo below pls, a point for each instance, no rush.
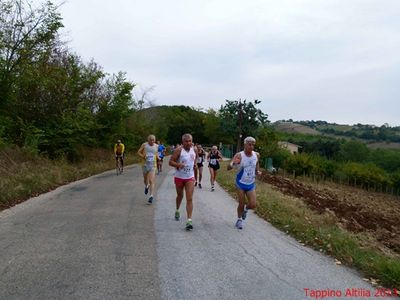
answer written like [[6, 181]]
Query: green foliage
[[395, 179], [267, 146], [387, 159], [365, 174], [366, 132], [25, 34], [353, 151], [240, 119], [300, 164]]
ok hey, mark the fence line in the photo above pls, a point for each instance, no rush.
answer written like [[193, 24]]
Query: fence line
[[343, 180]]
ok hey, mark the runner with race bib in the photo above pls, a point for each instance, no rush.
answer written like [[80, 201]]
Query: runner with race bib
[[184, 160], [198, 173], [149, 153], [247, 164], [214, 157]]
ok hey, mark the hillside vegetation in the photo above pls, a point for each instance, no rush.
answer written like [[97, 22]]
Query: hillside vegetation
[[385, 135]]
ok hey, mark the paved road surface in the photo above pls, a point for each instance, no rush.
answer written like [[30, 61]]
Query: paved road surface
[[98, 239], [218, 261], [93, 239]]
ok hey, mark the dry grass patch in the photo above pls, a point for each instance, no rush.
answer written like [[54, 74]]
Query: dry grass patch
[[24, 175]]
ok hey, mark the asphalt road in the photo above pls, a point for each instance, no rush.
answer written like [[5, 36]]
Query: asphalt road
[[93, 239], [98, 239]]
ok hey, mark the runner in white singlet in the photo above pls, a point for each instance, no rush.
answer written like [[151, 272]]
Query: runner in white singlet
[[149, 153], [184, 160]]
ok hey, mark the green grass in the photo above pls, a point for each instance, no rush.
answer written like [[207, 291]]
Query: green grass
[[320, 232], [23, 175]]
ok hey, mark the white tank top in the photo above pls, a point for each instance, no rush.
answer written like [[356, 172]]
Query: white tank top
[[247, 170], [187, 158], [151, 155]]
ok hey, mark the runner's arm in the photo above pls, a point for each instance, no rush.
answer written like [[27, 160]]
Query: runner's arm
[[195, 159], [220, 156], [258, 172], [173, 161], [141, 152], [235, 161]]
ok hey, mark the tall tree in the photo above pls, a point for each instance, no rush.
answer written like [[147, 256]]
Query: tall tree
[[241, 118], [25, 33]]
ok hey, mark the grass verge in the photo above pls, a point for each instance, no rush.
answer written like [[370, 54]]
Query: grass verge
[[24, 175], [320, 231]]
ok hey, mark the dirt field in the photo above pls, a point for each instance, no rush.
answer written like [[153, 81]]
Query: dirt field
[[356, 210]]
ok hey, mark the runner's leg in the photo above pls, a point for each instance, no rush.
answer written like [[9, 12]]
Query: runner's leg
[[211, 176], [179, 196], [251, 197], [145, 180], [200, 174], [151, 181], [196, 172], [241, 198], [189, 188]]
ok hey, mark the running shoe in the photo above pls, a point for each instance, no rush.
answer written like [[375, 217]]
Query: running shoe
[[177, 215], [146, 190], [151, 199], [244, 215], [239, 224], [212, 189], [199, 185], [189, 225]]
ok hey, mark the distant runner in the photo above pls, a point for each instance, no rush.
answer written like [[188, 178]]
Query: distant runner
[[149, 152], [198, 173], [161, 154], [247, 164], [184, 160], [214, 157]]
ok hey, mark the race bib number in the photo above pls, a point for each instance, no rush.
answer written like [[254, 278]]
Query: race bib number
[[187, 169], [213, 161], [149, 157], [249, 174], [199, 160]]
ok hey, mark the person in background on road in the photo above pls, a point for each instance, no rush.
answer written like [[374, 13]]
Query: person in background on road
[[198, 172], [149, 152], [214, 157], [184, 160], [161, 154], [247, 164], [119, 150]]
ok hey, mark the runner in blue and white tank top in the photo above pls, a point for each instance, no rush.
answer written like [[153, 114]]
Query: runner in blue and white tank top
[[246, 175], [247, 164]]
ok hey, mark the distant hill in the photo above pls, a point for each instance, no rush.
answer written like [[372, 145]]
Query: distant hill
[[374, 136], [290, 127]]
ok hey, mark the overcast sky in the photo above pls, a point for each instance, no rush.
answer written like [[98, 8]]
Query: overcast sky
[[331, 60]]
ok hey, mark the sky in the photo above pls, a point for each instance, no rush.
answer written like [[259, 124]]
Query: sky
[[331, 60]]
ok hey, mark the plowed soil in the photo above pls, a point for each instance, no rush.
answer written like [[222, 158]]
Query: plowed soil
[[355, 209]]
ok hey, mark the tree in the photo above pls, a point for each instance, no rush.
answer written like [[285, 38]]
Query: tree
[[354, 151], [241, 118], [25, 34]]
